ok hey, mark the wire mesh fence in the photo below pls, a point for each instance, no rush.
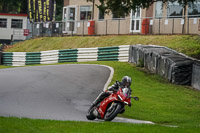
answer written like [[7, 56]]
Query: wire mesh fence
[[165, 25], [145, 26], [47, 29]]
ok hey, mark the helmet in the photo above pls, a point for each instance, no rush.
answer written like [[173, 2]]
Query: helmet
[[126, 81]]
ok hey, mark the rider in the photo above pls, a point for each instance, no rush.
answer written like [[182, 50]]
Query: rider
[[126, 82]]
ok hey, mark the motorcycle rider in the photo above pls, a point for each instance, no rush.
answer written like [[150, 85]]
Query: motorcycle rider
[[125, 83]]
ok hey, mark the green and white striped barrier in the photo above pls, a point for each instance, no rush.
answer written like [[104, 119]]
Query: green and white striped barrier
[[119, 53]]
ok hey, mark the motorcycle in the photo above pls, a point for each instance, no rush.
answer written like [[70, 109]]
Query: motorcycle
[[112, 105]]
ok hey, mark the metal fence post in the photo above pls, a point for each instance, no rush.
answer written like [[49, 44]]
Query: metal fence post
[[72, 28], [118, 26], [132, 25], [173, 27], [32, 24], [52, 30], [106, 27], [83, 29], [159, 26], [42, 29], [188, 25], [62, 29]]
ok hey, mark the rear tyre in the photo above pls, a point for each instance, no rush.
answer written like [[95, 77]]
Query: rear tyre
[[90, 115], [111, 114]]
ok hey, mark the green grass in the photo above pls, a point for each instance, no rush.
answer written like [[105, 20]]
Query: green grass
[[15, 125], [190, 45], [160, 102]]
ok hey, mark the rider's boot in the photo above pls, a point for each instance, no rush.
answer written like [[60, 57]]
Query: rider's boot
[[98, 99]]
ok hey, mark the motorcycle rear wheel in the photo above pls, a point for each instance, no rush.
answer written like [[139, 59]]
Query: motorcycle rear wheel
[[109, 116]]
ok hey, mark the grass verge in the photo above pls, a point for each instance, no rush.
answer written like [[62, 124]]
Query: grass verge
[[16, 125], [160, 102], [187, 44]]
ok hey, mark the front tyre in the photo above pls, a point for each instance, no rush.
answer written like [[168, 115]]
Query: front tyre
[[112, 113], [90, 115]]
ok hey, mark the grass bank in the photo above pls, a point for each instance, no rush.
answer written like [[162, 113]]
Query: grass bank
[[160, 102], [16, 125], [187, 44]]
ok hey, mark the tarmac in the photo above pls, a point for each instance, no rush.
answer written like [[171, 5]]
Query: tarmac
[[55, 92]]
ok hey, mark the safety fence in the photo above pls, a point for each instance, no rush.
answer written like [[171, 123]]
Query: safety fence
[[117, 26], [118, 53], [42, 29], [141, 25], [174, 66]]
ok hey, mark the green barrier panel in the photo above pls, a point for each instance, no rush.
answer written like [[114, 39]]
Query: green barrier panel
[[108, 59], [7, 58], [67, 60], [108, 54], [33, 58], [68, 55], [103, 48]]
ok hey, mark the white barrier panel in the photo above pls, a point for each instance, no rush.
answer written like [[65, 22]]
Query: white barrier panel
[[49, 57], [19, 59]]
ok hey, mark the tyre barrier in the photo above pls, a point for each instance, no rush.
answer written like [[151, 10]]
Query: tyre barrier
[[168, 63], [196, 75]]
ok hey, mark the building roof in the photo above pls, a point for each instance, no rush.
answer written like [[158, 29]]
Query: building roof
[[8, 14]]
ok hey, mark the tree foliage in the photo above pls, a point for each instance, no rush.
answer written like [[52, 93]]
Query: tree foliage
[[122, 7], [21, 6], [13, 6]]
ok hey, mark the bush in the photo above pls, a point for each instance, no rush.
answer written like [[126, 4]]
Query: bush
[[1, 47]]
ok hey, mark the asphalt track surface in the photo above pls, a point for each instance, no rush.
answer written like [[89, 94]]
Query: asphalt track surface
[[56, 92]]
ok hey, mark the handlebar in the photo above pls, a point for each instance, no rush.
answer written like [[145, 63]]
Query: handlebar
[[136, 98]]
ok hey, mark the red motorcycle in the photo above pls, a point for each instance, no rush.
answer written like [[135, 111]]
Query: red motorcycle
[[111, 106]]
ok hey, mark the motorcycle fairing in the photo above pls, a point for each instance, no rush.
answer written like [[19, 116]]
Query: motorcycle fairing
[[103, 106]]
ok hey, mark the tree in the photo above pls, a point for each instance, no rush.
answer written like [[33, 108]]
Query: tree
[[13, 6], [59, 9], [122, 7], [20, 6]]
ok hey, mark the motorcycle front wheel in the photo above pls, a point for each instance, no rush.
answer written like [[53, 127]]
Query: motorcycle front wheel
[[112, 113], [90, 115]]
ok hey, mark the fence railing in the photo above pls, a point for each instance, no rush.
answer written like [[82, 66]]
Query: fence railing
[[146, 25], [42, 29]]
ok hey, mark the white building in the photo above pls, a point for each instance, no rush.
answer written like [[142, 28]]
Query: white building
[[12, 25]]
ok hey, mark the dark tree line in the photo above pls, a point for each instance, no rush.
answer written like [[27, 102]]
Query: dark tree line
[[121, 7], [13, 6], [21, 6]]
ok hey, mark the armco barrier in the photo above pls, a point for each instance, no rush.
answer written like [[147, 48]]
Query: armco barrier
[[87, 54], [196, 75], [49, 57], [7, 58], [119, 53], [68, 55], [166, 62], [33, 58]]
